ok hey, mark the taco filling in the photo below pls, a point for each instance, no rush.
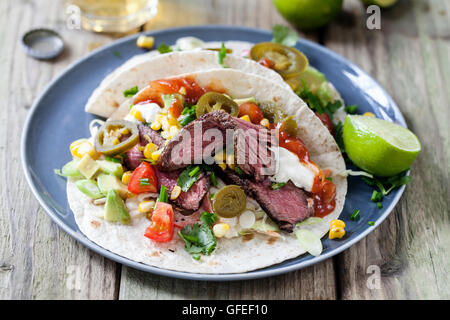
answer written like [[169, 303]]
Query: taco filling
[[199, 165]]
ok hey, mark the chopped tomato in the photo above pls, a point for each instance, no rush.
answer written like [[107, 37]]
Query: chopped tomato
[[267, 63], [176, 108], [252, 110], [143, 179], [324, 197], [161, 229], [326, 121]]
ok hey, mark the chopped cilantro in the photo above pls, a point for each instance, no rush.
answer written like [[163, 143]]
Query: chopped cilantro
[[200, 239], [329, 178], [185, 180], [130, 92], [238, 170], [222, 54], [164, 48], [187, 115], [283, 35], [351, 109]]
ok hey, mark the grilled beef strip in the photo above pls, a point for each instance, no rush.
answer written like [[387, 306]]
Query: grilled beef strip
[[286, 206], [188, 202]]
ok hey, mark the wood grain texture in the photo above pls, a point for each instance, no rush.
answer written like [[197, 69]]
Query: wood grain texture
[[37, 259], [410, 58]]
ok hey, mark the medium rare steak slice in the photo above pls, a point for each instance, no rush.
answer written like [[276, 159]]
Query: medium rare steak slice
[[190, 201], [134, 155], [286, 206], [187, 202], [199, 140]]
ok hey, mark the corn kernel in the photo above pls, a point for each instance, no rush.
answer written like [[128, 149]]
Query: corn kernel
[[173, 130], [172, 121], [124, 131], [336, 233], [182, 91], [145, 42], [165, 134], [337, 223], [164, 122], [368, 114], [265, 122], [149, 149], [223, 166], [126, 177], [156, 154], [176, 191], [230, 161], [246, 118], [221, 229], [166, 142], [137, 115], [156, 125], [146, 206], [116, 141], [81, 147], [219, 157]]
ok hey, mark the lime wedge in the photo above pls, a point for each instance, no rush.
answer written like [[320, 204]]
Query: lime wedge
[[379, 146], [381, 3]]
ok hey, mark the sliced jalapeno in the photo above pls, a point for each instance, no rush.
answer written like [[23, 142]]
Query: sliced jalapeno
[[107, 140], [229, 201], [272, 112], [288, 61], [212, 101], [289, 125]]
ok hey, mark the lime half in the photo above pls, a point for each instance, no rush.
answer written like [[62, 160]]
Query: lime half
[[379, 146], [308, 14]]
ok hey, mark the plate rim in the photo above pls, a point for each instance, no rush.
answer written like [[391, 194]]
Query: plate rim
[[255, 274]]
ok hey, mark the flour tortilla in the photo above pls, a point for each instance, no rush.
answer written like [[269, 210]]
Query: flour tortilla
[[141, 69], [231, 255]]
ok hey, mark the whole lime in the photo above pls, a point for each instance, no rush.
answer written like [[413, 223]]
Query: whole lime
[[379, 146], [381, 3], [308, 14]]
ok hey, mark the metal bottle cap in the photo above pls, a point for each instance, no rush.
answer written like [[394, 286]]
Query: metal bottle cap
[[42, 44]]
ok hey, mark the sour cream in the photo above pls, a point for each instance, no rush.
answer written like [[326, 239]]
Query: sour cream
[[148, 111], [189, 43], [290, 168]]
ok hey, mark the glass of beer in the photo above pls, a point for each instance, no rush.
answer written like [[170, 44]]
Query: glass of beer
[[110, 15]]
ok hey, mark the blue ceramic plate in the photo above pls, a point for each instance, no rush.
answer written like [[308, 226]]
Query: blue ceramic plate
[[57, 118]]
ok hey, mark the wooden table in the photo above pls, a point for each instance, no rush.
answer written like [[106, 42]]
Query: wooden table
[[409, 56]]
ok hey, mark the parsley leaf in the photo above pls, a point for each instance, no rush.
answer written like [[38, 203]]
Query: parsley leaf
[[222, 54], [164, 48], [282, 34], [185, 180], [130, 92], [200, 238], [276, 186]]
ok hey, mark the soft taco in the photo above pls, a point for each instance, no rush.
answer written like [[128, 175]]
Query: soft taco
[[191, 54], [141, 189]]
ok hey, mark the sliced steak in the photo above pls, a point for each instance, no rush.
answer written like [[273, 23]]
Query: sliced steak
[[286, 206], [197, 143], [134, 155], [134, 158], [187, 202]]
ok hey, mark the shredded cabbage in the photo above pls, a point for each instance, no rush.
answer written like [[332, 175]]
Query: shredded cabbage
[[92, 129], [309, 221], [309, 241], [347, 173]]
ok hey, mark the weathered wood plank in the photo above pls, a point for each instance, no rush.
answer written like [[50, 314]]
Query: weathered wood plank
[[409, 57], [317, 282], [37, 259]]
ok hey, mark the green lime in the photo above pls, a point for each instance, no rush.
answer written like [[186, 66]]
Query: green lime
[[308, 14], [380, 3], [379, 146]]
